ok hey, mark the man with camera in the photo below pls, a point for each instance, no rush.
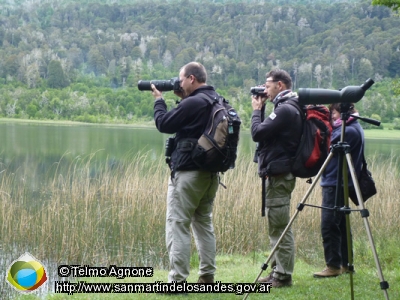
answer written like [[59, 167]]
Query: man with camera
[[278, 136], [191, 191]]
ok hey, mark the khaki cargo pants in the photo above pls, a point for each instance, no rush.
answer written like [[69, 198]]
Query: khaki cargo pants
[[278, 193], [190, 202]]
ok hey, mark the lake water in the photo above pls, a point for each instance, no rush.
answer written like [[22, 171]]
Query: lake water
[[40, 148], [38, 143]]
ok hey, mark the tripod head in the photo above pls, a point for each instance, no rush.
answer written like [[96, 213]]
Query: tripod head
[[345, 114]]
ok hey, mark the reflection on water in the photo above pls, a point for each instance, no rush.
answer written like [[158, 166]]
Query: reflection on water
[[50, 142], [46, 144], [382, 147]]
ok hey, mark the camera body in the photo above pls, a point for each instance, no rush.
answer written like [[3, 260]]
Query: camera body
[[162, 85], [258, 91]]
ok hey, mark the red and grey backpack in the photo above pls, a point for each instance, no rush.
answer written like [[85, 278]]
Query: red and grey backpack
[[314, 146]]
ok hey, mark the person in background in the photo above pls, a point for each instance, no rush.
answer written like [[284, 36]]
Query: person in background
[[333, 223], [278, 137]]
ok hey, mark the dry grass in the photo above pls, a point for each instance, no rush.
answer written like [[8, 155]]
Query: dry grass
[[101, 213]]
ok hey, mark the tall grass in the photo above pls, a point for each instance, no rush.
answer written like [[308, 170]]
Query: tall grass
[[241, 228], [101, 213]]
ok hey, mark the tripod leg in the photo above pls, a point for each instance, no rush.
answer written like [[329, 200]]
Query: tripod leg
[[347, 212], [299, 208], [364, 213]]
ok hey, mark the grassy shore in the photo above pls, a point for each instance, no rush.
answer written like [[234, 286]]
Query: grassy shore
[[244, 269], [382, 133], [90, 214]]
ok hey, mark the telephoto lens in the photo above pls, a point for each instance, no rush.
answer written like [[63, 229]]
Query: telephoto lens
[[161, 85]]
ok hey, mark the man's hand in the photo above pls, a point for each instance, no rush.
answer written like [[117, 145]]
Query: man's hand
[[257, 102], [179, 93], [156, 93]]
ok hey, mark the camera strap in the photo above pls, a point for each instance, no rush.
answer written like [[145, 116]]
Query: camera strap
[[263, 179], [263, 182]]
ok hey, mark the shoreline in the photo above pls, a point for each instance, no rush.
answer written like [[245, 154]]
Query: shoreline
[[377, 134], [76, 123]]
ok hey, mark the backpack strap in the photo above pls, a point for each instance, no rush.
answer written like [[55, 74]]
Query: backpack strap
[[295, 104], [208, 98], [211, 101], [263, 196], [362, 145]]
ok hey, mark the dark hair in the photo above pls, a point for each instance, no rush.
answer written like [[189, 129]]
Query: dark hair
[[197, 70], [336, 106], [280, 75]]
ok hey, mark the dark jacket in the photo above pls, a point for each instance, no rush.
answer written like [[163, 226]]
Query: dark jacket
[[279, 134], [187, 120], [354, 137]]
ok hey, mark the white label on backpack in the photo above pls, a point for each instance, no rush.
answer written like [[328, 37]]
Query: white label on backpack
[[272, 116]]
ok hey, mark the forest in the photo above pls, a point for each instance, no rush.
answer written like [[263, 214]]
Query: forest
[[82, 60]]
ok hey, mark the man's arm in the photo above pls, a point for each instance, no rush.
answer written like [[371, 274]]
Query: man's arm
[[277, 121], [169, 122]]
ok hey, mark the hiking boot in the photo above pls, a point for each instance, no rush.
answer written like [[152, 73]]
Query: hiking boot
[[345, 270], [278, 283], [206, 279], [266, 279], [328, 272]]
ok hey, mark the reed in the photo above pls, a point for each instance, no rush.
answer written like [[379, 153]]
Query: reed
[[100, 213], [383, 221]]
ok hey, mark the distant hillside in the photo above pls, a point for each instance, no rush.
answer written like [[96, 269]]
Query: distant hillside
[[77, 45]]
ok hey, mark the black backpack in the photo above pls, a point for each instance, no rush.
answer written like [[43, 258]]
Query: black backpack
[[314, 146], [216, 148]]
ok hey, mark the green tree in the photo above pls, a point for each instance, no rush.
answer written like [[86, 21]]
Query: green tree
[[96, 62], [136, 53], [55, 75], [10, 66], [365, 69], [31, 110], [396, 123], [394, 66], [393, 4], [396, 86]]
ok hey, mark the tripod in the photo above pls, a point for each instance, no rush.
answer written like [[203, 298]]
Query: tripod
[[342, 149]]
